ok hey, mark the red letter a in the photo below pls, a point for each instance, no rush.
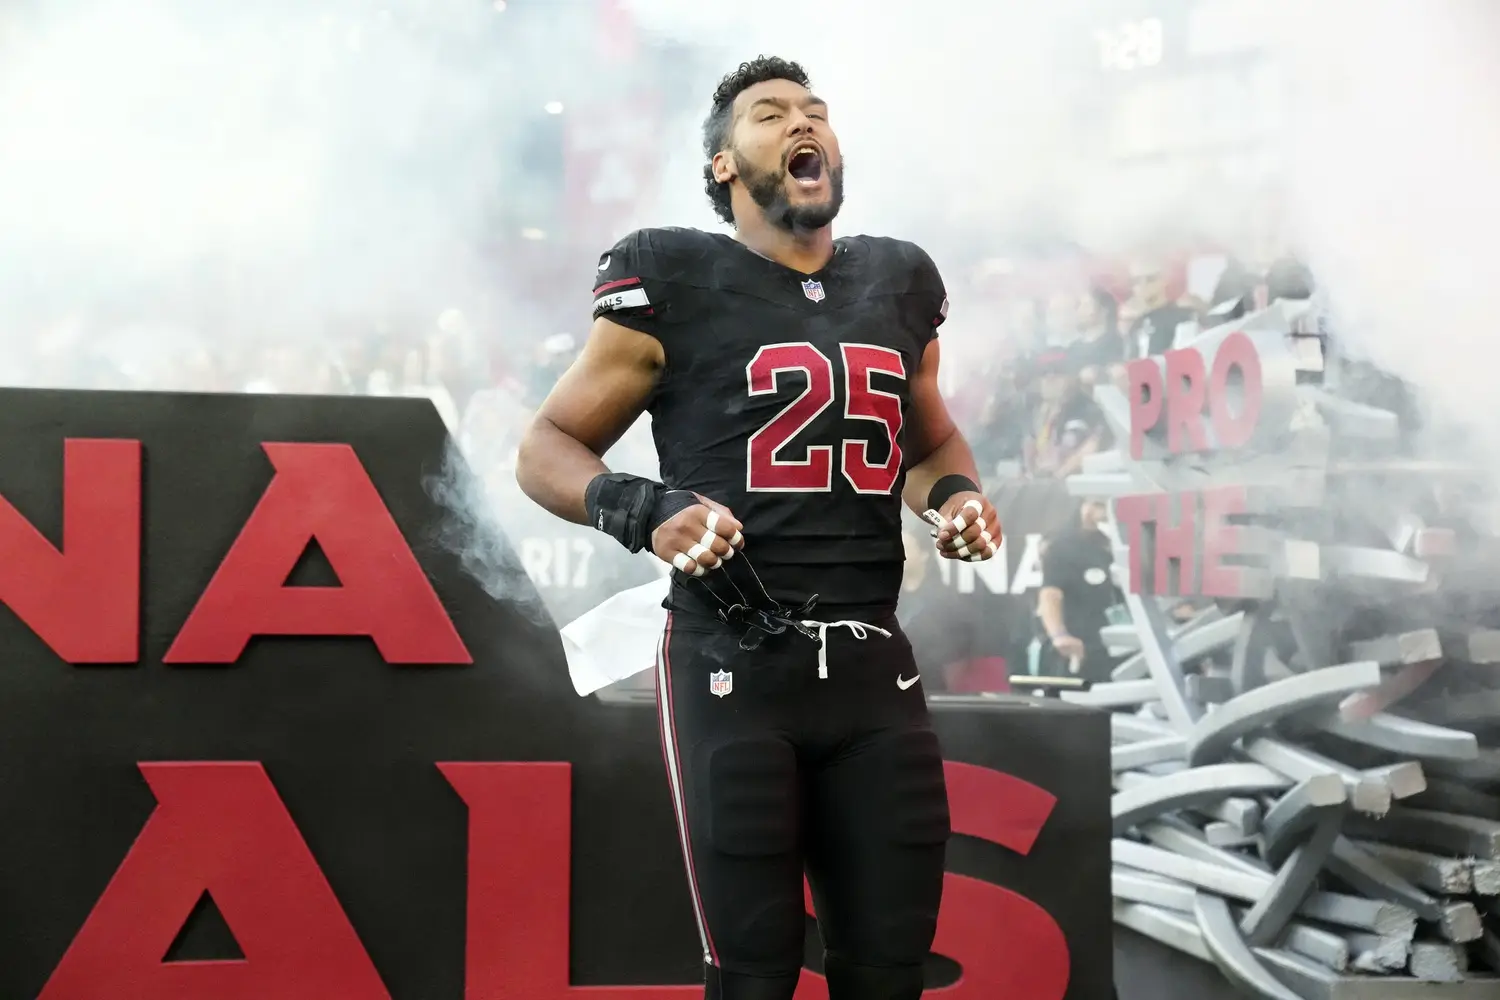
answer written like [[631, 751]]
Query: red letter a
[[223, 828], [320, 491], [83, 601]]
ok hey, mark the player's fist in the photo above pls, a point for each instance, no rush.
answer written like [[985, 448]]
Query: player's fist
[[968, 528], [697, 539]]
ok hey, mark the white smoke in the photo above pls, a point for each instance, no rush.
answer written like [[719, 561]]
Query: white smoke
[[220, 173], [1394, 155]]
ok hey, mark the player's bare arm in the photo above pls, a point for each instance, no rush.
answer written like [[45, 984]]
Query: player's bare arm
[[942, 476], [560, 464]]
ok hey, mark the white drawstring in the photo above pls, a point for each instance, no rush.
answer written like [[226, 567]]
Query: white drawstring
[[858, 628]]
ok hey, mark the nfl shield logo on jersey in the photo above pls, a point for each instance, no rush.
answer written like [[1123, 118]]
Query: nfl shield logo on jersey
[[813, 290], [720, 683]]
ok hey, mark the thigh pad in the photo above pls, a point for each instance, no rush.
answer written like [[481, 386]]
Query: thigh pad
[[751, 797]]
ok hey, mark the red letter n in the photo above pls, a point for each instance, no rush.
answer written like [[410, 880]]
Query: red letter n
[[322, 492], [82, 600]]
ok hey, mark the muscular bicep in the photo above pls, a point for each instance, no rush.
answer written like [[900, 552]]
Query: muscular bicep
[[928, 424], [607, 388]]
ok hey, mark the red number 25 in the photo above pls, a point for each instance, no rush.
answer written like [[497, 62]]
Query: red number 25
[[768, 472]]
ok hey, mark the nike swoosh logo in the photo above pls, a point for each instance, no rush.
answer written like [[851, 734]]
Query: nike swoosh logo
[[903, 684]]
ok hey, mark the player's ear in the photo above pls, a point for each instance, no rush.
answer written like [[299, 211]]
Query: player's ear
[[724, 166]]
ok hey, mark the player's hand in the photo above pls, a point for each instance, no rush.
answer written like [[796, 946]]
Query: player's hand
[[970, 528], [1068, 646], [698, 538]]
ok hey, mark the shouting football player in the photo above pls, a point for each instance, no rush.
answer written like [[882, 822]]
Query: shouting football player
[[792, 382]]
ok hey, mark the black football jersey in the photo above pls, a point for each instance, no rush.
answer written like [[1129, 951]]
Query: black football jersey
[[784, 397]]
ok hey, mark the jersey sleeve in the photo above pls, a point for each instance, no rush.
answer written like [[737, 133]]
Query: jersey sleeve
[[931, 293], [627, 287]]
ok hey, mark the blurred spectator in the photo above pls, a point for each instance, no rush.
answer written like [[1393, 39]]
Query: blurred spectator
[[416, 382], [1233, 291], [1289, 278], [1062, 321], [1076, 596], [1099, 342], [1066, 424], [1156, 329], [552, 358]]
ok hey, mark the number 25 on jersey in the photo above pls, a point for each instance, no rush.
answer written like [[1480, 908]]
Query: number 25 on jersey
[[768, 472]]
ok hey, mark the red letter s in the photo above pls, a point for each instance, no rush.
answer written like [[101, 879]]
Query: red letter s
[[1030, 958], [1007, 945]]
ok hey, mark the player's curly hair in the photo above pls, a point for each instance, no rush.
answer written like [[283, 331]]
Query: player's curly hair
[[716, 126]]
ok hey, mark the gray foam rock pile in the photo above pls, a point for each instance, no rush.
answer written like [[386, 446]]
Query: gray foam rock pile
[[1306, 736]]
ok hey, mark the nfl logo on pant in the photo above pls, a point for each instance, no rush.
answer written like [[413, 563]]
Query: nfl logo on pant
[[720, 683], [813, 290]]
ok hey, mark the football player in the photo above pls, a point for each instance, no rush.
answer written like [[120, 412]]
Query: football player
[[791, 379]]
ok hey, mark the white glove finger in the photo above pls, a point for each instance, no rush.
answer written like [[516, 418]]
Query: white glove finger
[[712, 520]]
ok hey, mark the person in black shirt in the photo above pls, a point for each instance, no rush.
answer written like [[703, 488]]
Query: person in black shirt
[[1099, 343], [1156, 329], [1067, 425], [1076, 595], [792, 384]]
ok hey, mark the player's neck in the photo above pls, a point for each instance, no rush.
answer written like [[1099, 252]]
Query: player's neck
[[808, 252]]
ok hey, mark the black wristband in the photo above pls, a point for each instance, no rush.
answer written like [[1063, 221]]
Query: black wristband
[[944, 488], [621, 506]]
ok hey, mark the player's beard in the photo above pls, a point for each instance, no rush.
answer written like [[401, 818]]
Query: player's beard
[[768, 189]]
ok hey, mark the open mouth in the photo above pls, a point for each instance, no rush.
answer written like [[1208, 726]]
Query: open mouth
[[805, 165]]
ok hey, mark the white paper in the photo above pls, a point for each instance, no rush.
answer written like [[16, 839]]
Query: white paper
[[617, 639]]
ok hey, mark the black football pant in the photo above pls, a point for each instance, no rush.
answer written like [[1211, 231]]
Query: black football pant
[[776, 772]]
